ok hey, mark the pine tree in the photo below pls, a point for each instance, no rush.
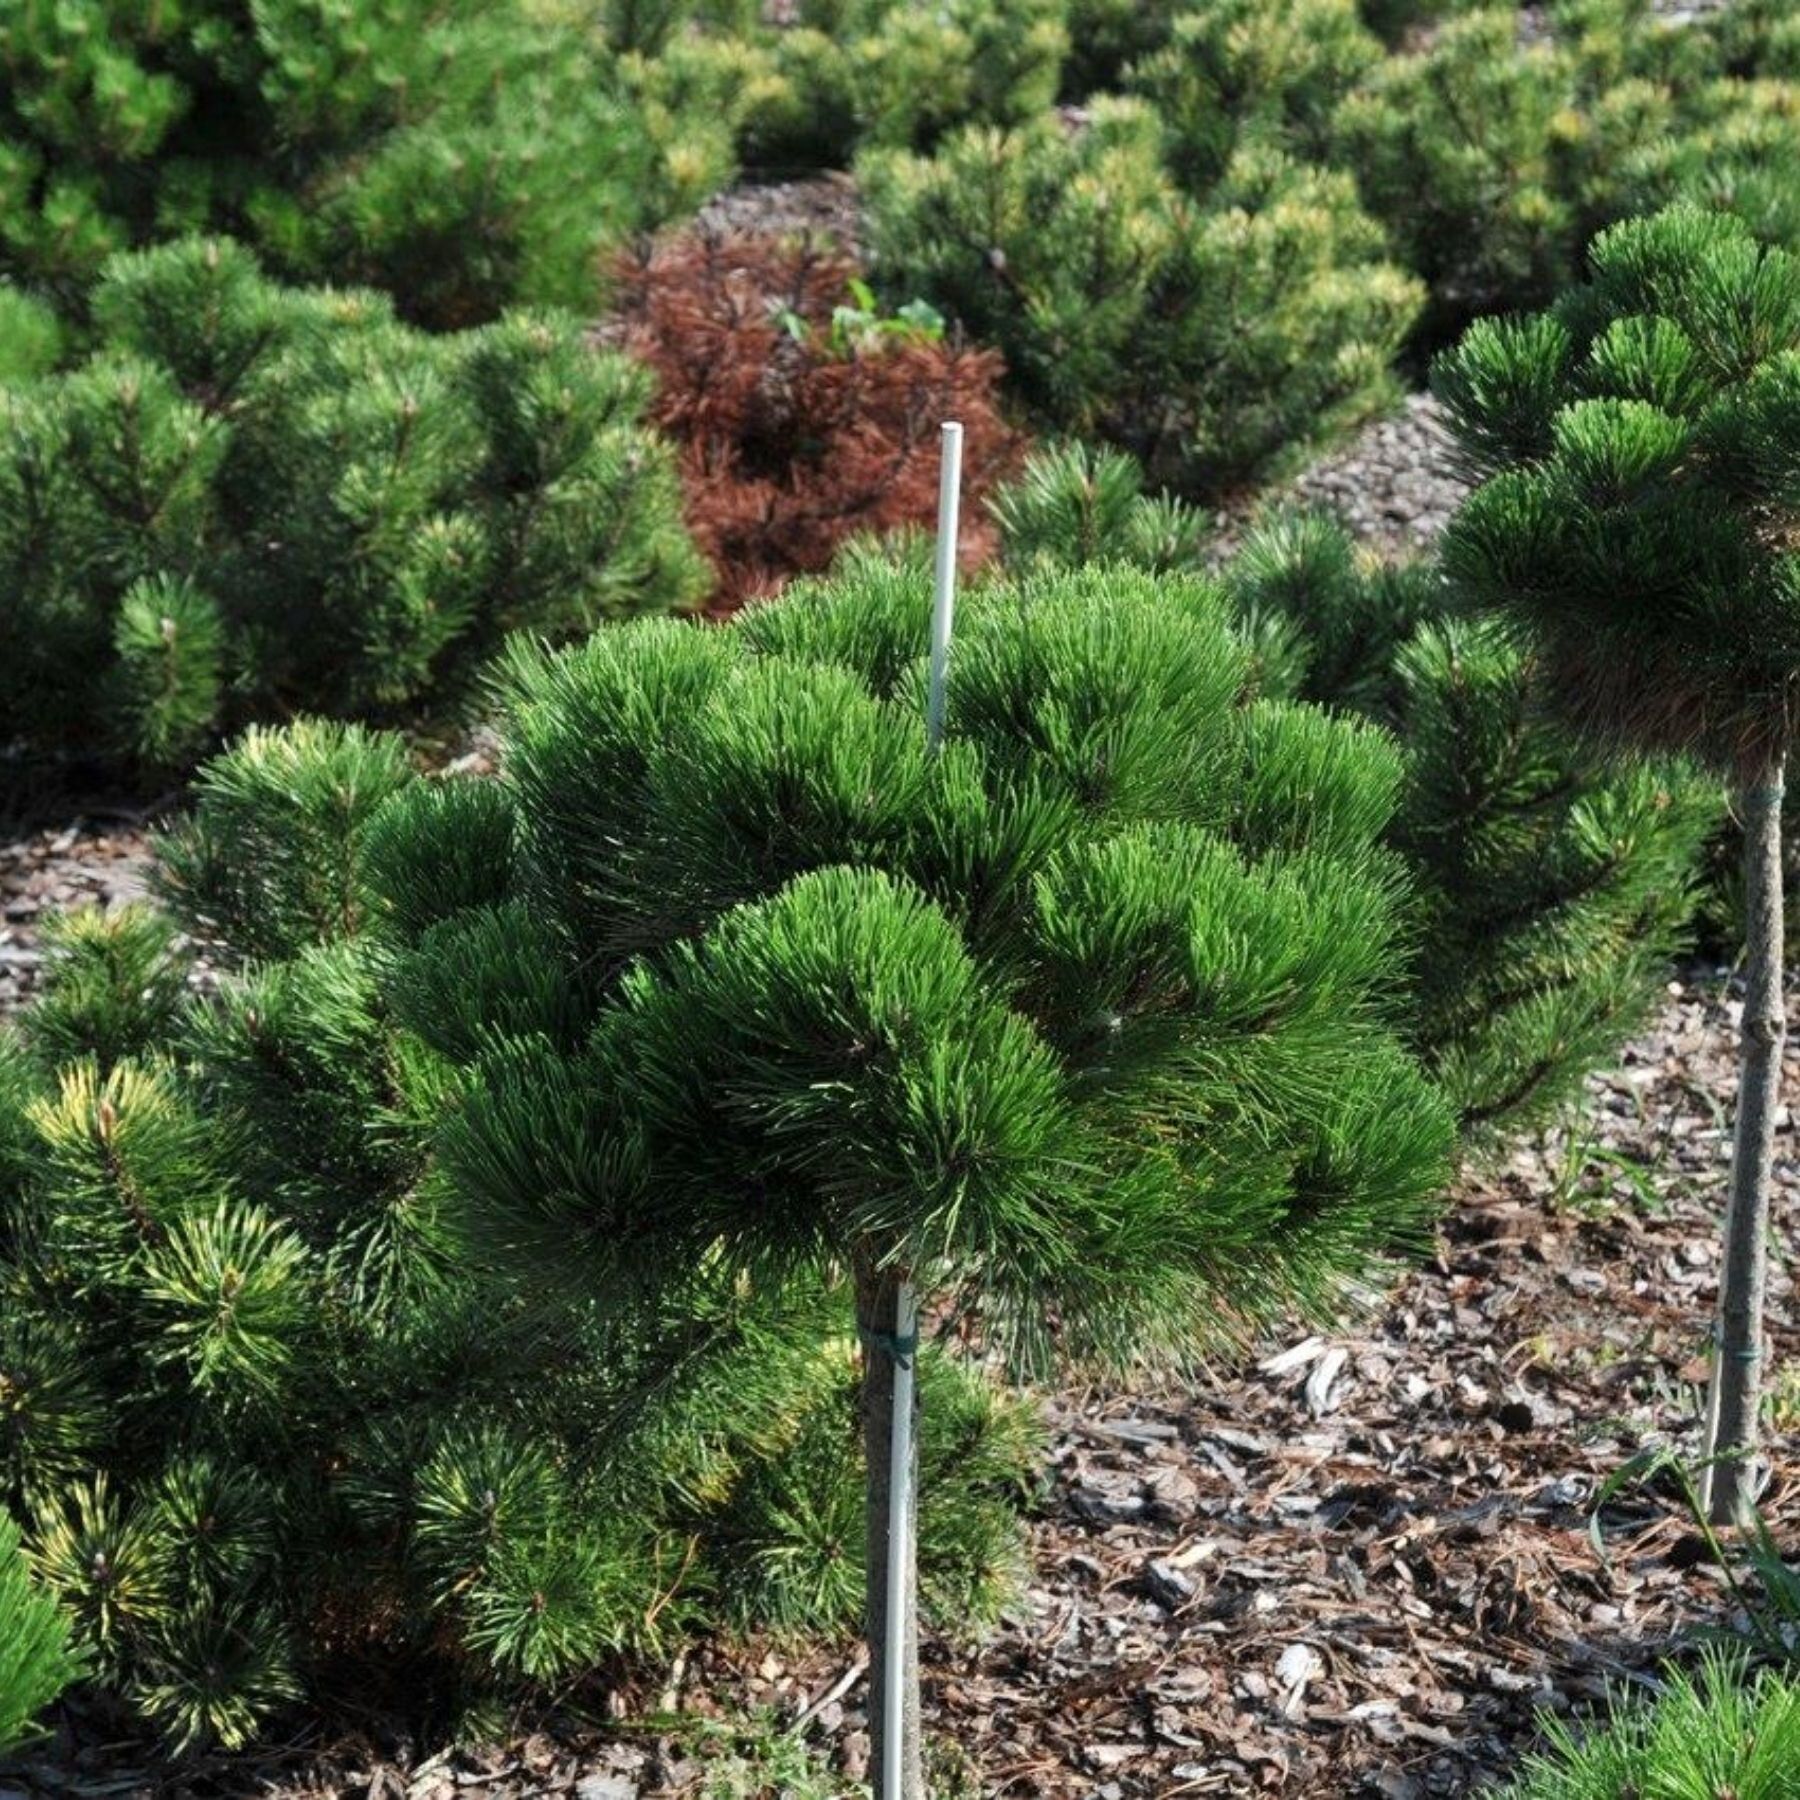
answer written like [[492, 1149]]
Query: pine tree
[[36, 1663], [1638, 448], [251, 498], [467, 157], [1722, 1730], [1076, 1025], [1212, 333], [1548, 894], [261, 1409]]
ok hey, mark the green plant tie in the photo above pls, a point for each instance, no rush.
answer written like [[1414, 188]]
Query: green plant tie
[[897, 1349], [1751, 1355]]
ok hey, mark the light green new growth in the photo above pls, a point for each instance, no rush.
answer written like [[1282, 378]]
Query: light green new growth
[[36, 1662]]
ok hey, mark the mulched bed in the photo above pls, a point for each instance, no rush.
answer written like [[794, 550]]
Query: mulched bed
[[1358, 1567]]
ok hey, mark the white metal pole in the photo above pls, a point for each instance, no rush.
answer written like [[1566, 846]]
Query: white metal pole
[[906, 1302], [943, 604], [900, 1516]]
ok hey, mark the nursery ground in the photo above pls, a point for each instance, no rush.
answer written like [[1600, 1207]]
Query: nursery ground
[[1358, 1567]]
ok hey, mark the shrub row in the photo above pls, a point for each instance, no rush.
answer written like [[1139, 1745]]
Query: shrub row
[[1207, 267], [466, 157]]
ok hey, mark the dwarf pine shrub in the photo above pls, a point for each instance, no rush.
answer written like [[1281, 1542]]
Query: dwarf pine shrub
[[252, 498], [1037, 1021], [1493, 157], [467, 157], [1109, 36], [1736, 149], [848, 73], [1548, 893], [1211, 334], [266, 1410]]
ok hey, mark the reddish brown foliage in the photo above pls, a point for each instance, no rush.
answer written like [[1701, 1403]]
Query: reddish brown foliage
[[790, 443]]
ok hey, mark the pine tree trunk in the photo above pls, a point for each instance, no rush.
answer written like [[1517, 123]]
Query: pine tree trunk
[[877, 1318], [1738, 1349]]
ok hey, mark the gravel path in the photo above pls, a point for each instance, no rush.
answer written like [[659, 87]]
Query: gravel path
[[1394, 484]]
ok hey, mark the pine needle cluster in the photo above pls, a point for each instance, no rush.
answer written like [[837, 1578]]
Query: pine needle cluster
[[801, 412], [250, 498], [468, 157], [266, 1419], [1725, 1731], [36, 1662], [1548, 892], [1637, 448]]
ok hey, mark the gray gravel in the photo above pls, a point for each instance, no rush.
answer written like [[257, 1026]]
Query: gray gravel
[[1393, 485], [825, 208]]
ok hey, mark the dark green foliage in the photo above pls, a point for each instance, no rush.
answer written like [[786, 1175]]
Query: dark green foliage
[[1493, 156], [36, 1663], [30, 337], [260, 1406], [1639, 449], [1756, 38], [1081, 969], [1210, 332], [116, 986], [467, 156], [1548, 894], [1727, 1732], [270, 861], [1490, 160], [791, 1545], [252, 497], [1736, 153], [1109, 36], [1553, 893]]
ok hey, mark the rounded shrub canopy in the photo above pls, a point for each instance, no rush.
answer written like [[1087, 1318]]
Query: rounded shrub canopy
[[1085, 1012], [1639, 449]]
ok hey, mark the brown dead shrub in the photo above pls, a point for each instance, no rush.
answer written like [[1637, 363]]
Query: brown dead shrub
[[801, 418]]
